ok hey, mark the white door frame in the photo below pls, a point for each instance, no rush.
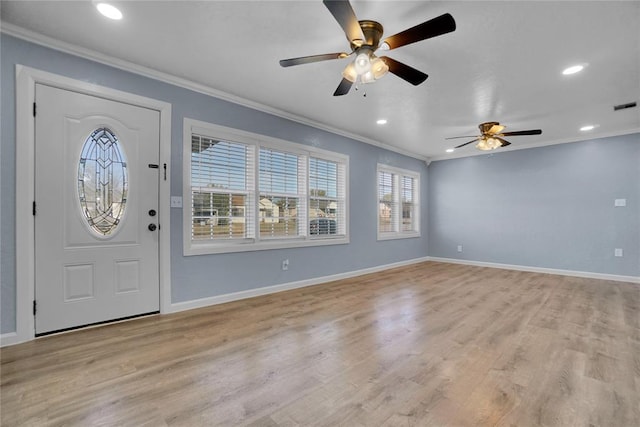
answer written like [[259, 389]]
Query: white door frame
[[26, 79]]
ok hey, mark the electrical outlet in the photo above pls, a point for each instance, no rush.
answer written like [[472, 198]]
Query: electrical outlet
[[285, 264], [617, 252], [459, 248], [620, 202]]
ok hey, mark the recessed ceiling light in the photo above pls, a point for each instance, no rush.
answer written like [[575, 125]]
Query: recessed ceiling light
[[587, 128], [450, 150], [382, 122], [573, 69], [109, 11]]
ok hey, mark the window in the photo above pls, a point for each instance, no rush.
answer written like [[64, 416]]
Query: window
[[398, 203], [245, 192]]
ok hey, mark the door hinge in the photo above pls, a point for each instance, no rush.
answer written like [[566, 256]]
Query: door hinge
[[34, 307], [34, 208], [34, 109]]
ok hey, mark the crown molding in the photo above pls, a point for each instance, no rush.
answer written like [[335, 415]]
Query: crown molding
[[49, 42]]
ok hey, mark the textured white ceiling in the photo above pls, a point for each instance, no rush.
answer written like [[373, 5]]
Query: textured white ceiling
[[503, 63]]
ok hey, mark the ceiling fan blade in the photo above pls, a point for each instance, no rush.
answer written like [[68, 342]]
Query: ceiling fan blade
[[435, 27], [405, 72], [467, 136], [313, 58], [503, 143], [523, 132], [343, 88], [466, 143], [346, 17]]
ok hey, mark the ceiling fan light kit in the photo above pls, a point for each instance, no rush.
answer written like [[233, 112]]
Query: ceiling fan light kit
[[364, 39], [486, 144], [365, 70]]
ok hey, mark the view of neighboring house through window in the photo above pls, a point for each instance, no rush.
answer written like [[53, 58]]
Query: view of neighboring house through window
[[250, 192], [398, 205]]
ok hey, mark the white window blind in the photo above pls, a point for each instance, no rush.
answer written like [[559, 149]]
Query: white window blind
[[282, 184], [221, 189], [398, 204], [408, 207], [387, 203], [326, 197]]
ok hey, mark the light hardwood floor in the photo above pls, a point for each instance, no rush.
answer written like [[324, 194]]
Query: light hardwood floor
[[430, 344]]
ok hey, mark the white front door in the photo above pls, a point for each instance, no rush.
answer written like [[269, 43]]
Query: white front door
[[96, 209]]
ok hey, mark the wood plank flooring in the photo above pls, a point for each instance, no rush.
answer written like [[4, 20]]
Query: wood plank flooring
[[430, 344]]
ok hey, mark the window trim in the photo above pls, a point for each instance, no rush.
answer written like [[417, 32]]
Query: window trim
[[398, 173], [190, 247]]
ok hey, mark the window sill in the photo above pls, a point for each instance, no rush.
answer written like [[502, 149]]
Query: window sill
[[221, 248], [394, 236]]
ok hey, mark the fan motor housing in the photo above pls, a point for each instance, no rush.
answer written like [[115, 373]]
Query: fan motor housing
[[484, 127], [372, 31]]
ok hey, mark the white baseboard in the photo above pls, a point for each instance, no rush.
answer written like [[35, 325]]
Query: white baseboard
[[250, 293], [10, 338], [586, 274]]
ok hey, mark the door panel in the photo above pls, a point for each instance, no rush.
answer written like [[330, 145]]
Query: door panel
[[96, 258]]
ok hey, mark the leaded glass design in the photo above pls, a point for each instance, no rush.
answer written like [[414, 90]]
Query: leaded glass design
[[102, 181]]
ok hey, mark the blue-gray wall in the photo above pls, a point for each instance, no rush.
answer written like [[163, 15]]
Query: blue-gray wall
[[204, 276], [549, 207]]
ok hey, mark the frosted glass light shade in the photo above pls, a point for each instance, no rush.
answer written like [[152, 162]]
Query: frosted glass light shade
[[350, 73], [362, 64], [379, 68]]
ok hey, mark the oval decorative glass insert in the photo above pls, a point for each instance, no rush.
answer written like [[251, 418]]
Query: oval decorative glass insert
[[102, 181]]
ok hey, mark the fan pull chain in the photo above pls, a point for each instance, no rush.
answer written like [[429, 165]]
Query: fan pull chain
[[364, 95]]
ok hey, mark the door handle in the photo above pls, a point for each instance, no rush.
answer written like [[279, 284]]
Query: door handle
[[152, 227]]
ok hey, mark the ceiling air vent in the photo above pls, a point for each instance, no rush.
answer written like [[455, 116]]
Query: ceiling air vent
[[624, 106]]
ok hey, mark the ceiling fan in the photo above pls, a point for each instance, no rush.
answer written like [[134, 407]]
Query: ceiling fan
[[364, 38], [491, 136]]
